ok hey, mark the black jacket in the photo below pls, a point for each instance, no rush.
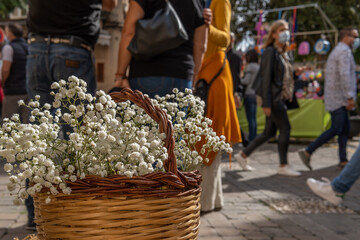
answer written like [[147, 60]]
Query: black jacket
[[16, 82], [235, 67], [269, 81]]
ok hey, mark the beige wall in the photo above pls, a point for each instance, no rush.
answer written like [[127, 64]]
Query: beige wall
[[108, 54]]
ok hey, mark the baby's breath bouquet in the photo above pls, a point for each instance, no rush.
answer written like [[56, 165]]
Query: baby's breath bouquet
[[105, 138]]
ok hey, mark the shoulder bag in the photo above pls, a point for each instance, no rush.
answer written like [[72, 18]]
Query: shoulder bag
[[163, 32], [202, 87]]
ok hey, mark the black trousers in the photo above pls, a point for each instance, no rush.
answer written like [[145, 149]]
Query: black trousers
[[278, 120]]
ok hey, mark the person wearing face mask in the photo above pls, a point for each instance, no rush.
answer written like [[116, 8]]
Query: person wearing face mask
[[340, 95], [275, 85]]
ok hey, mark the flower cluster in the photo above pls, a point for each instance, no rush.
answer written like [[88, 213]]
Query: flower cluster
[[104, 138]]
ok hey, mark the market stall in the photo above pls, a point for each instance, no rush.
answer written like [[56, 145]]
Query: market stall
[[308, 121]]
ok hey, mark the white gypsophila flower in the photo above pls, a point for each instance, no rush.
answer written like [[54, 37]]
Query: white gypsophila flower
[[47, 200], [21, 102], [73, 178], [99, 106], [11, 187], [71, 168], [24, 194], [8, 167], [66, 191], [17, 201], [55, 85]]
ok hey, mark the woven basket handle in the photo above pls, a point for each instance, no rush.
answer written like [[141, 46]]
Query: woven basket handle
[[165, 126]]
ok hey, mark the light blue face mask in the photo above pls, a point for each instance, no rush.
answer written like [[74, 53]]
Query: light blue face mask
[[356, 44], [284, 36]]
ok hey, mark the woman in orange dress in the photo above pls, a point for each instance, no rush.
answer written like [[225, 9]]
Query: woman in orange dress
[[220, 106]]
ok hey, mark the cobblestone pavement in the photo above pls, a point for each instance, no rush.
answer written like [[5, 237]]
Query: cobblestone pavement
[[245, 214]]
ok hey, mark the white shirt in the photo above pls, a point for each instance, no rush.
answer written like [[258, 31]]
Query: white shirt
[[340, 77]]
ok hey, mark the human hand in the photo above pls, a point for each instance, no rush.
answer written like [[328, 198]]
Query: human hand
[[237, 101], [207, 15], [121, 82], [302, 69], [350, 104], [267, 111]]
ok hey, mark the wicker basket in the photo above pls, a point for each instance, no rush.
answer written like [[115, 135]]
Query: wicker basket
[[161, 205]]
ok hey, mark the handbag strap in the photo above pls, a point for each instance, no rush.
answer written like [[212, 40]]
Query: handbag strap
[[219, 72]]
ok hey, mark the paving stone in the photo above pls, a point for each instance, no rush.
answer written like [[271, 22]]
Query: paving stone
[[284, 238], [207, 232], [275, 232], [4, 224], [234, 238], [2, 232], [300, 237], [9, 216], [227, 231]]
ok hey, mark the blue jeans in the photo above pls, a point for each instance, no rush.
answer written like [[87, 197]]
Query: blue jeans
[[348, 176], [278, 120], [250, 109], [48, 63], [29, 203], [340, 126], [159, 85]]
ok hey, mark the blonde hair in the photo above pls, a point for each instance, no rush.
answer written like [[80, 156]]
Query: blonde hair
[[274, 27]]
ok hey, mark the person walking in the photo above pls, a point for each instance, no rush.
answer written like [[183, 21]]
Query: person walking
[[235, 63], [220, 103], [251, 71], [62, 36], [175, 68], [335, 190], [340, 95], [277, 92], [13, 74]]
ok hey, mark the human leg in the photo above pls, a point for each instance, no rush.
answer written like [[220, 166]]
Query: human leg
[[337, 121], [344, 136], [38, 78], [29, 203], [219, 197], [280, 118], [269, 132], [348, 176], [250, 109], [211, 194]]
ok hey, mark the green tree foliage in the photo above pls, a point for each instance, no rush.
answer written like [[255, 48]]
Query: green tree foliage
[[342, 13], [7, 6], [242, 22]]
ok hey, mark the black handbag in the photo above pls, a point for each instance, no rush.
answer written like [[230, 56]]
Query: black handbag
[[202, 88], [163, 32]]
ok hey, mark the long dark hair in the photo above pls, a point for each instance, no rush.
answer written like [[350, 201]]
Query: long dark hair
[[252, 56]]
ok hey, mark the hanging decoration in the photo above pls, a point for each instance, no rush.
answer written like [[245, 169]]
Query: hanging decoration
[[322, 46], [292, 46], [304, 48], [261, 32]]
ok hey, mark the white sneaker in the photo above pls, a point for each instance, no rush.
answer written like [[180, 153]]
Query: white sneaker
[[287, 171], [324, 189], [243, 162]]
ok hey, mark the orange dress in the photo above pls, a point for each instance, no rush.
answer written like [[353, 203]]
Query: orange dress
[[221, 106]]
